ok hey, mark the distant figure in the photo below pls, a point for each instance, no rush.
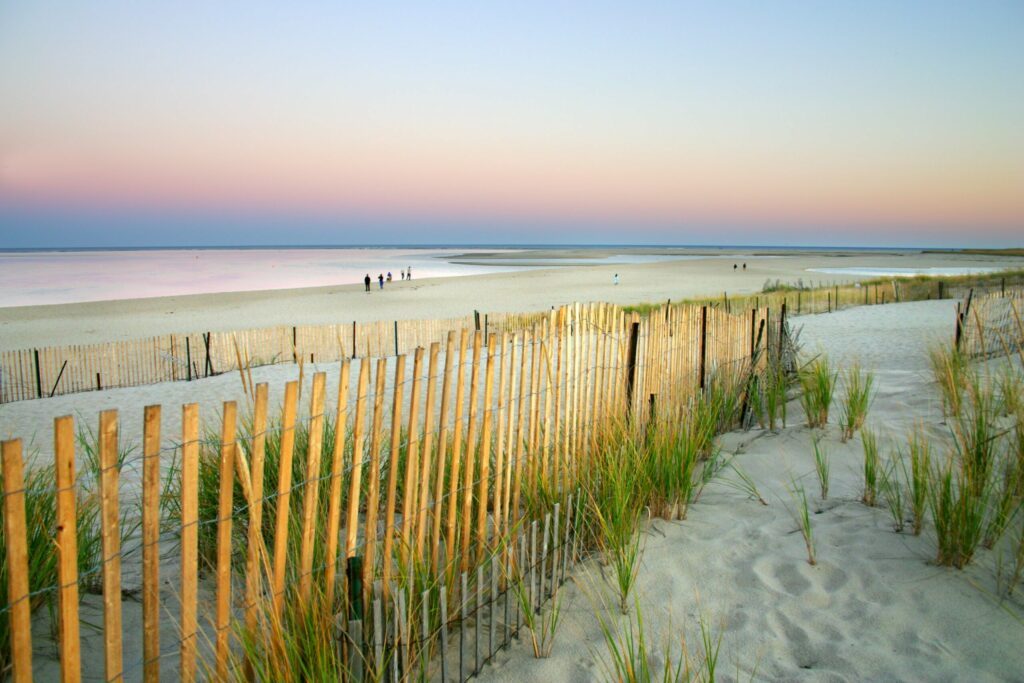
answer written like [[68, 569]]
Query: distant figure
[[380, 279], [403, 274], [408, 273], [389, 276], [366, 281], [615, 279], [734, 266], [744, 266]]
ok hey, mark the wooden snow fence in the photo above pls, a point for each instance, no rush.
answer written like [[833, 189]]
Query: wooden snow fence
[[400, 502], [991, 323]]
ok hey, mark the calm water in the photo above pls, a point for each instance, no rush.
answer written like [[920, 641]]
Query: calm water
[[945, 271], [54, 277]]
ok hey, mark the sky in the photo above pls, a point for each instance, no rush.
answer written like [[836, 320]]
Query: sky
[[237, 123]]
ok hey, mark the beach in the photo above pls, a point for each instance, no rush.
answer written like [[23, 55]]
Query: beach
[[875, 607], [705, 272]]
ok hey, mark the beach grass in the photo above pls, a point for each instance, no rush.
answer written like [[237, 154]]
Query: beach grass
[[893, 492], [950, 368], [822, 467], [817, 384], [917, 477], [802, 515], [869, 440], [858, 385]]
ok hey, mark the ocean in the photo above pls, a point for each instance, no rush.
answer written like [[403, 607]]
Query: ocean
[[31, 278]]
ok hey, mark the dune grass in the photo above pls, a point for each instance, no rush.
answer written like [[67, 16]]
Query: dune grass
[[950, 368], [917, 477], [542, 625], [632, 658], [858, 385], [802, 515], [776, 388], [871, 467], [893, 492], [822, 467], [743, 483], [817, 384]]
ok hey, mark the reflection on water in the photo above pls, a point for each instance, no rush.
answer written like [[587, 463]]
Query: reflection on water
[[32, 278], [53, 277]]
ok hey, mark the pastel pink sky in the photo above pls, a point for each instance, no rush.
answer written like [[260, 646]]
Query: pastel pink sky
[[662, 121]]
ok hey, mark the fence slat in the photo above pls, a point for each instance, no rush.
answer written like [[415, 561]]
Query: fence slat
[[312, 485], [284, 488], [150, 543], [111, 540], [189, 538], [467, 483], [224, 506], [453, 483], [358, 435], [337, 467], [253, 570], [17, 561], [485, 453], [411, 459], [389, 512], [373, 478], [428, 442], [67, 550], [442, 449]]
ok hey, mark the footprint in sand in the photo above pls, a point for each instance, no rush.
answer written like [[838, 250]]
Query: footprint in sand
[[781, 577]]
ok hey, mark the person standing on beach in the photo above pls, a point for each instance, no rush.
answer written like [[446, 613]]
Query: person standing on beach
[[403, 275], [615, 279], [366, 281], [389, 276], [408, 273], [380, 279]]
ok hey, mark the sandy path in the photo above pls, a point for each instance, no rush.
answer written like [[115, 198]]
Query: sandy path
[[874, 608]]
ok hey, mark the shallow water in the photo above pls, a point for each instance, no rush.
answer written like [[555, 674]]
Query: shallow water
[[943, 271]]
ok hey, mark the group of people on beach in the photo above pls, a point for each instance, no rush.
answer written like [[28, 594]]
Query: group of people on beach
[[406, 275]]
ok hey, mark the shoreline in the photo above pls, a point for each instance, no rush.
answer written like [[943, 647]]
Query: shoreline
[[519, 291]]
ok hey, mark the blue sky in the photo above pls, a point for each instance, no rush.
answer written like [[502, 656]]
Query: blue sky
[[739, 122]]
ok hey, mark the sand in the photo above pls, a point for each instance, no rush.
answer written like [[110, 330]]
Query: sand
[[874, 608]]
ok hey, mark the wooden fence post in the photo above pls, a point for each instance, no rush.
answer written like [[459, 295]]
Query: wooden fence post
[[396, 337], [353, 339], [634, 338], [782, 329], [703, 344], [188, 357], [754, 325], [39, 381], [959, 327]]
